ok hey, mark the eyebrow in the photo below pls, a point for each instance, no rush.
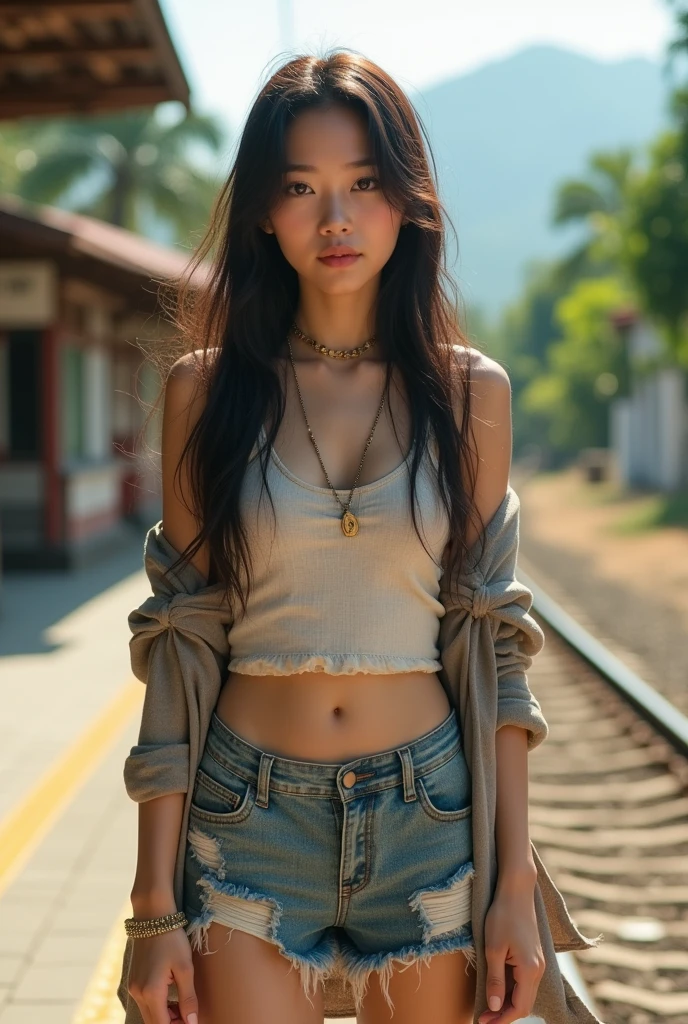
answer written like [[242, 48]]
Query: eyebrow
[[366, 161]]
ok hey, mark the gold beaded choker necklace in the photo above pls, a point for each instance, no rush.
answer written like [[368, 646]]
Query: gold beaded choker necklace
[[334, 353], [349, 522]]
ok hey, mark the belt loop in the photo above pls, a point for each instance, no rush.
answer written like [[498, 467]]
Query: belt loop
[[407, 771], [263, 796]]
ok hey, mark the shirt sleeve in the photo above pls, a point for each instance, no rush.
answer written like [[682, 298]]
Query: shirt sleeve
[[159, 762], [517, 636], [178, 649], [518, 639], [488, 588]]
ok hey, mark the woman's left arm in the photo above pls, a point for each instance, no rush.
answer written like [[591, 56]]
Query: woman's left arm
[[512, 940]]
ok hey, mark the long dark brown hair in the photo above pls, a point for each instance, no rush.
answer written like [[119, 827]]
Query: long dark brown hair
[[238, 319]]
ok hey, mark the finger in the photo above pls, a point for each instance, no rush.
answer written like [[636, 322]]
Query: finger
[[507, 1015], [494, 1017], [188, 1003], [495, 984], [156, 1004], [523, 994]]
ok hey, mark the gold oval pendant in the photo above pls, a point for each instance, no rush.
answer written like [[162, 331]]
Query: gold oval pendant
[[349, 524]]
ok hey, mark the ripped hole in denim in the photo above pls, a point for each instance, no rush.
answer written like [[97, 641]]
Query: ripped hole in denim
[[445, 907], [236, 906]]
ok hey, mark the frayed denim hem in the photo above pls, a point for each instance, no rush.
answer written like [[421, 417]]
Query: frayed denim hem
[[444, 910], [357, 968], [236, 906]]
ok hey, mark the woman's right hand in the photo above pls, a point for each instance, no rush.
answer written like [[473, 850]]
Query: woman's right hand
[[157, 962]]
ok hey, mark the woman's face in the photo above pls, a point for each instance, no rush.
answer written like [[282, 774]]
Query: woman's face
[[330, 197]]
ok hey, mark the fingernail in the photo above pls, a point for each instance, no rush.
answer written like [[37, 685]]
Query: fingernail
[[192, 1019], [494, 1002]]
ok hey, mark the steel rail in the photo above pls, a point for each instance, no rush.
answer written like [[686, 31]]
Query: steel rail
[[666, 718]]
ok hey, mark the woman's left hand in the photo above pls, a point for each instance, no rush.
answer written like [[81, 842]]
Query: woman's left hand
[[512, 946]]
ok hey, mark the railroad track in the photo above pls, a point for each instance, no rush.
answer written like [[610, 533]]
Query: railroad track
[[608, 813]]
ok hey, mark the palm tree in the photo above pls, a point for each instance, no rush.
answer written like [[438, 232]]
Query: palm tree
[[122, 167], [600, 203], [18, 141]]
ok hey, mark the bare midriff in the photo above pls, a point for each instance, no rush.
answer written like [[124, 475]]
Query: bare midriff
[[315, 716]]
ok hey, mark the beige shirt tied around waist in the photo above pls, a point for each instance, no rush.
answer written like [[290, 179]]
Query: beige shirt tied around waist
[[323, 602], [487, 641]]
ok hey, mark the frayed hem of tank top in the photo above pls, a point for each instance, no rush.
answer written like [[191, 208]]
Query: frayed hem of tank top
[[332, 664]]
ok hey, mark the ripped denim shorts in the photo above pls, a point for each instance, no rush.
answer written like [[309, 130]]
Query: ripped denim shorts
[[346, 867]]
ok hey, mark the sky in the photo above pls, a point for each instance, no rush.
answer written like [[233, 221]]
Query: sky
[[229, 49]]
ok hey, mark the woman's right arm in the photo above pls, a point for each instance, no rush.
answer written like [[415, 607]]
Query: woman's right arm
[[161, 959]]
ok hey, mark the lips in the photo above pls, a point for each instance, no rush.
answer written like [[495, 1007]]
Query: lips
[[339, 261], [339, 250]]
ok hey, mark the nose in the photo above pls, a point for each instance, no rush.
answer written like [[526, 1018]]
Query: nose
[[335, 218]]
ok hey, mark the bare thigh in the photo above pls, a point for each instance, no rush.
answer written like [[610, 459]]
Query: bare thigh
[[246, 980], [442, 991]]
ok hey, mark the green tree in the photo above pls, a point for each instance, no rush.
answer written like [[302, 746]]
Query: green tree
[[656, 244], [598, 201], [125, 166], [586, 367], [524, 334], [18, 143], [530, 326]]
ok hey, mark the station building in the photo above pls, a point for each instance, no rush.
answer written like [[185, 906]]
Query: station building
[[76, 293], [79, 304]]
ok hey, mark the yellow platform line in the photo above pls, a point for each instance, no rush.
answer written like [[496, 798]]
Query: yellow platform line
[[100, 1004], [26, 825]]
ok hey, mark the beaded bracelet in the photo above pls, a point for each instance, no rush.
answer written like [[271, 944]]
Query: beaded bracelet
[[139, 929]]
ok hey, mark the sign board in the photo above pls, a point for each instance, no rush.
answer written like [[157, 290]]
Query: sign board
[[28, 293]]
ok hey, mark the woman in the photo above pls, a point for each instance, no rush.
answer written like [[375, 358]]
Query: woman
[[331, 815]]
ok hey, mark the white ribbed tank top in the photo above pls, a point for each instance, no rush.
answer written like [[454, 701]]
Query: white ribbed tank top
[[325, 602]]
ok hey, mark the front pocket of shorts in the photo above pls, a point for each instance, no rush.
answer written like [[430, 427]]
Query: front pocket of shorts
[[220, 794], [445, 793]]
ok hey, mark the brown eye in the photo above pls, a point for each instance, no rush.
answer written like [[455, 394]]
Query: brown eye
[[293, 184], [368, 179]]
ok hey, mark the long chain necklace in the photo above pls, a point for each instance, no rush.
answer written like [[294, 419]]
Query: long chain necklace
[[349, 522], [335, 353]]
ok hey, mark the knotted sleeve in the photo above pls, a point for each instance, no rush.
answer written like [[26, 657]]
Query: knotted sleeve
[[518, 639], [178, 646], [488, 589]]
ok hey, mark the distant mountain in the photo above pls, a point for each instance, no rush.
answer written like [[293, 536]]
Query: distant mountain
[[504, 136]]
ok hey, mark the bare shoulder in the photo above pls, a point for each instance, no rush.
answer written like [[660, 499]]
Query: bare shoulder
[[487, 374], [491, 426], [188, 368], [185, 394], [184, 401], [490, 390]]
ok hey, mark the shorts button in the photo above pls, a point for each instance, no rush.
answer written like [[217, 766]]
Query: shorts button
[[349, 779]]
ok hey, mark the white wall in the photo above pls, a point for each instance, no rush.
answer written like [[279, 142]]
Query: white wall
[[649, 428], [97, 402]]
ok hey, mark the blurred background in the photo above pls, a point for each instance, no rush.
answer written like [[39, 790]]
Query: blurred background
[[561, 141], [560, 134]]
